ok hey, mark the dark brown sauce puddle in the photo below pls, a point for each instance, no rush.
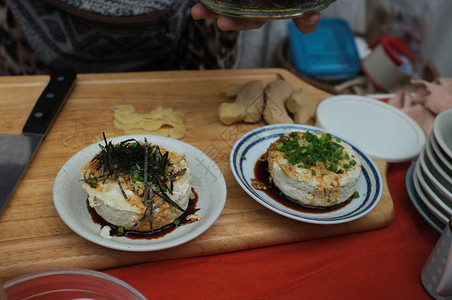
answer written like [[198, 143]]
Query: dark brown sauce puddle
[[261, 174], [148, 235]]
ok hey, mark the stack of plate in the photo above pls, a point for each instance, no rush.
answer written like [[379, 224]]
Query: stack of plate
[[429, 180]]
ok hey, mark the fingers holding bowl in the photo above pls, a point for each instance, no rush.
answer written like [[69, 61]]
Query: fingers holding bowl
[[199, 11], [306, 24]]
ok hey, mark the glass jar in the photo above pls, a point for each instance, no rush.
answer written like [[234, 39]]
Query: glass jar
[[266, 9]]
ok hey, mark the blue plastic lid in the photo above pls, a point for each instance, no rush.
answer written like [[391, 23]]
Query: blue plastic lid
[[328, 53]]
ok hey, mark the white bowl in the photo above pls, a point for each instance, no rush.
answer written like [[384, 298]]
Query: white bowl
[[442, 129], [435, 166], [447, 164], [69, 197], [442, 191]]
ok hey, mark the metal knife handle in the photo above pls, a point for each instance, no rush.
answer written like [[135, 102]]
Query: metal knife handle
[[50, 102]]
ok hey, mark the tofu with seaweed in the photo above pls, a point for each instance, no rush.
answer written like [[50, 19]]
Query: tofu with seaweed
[[137, 185]]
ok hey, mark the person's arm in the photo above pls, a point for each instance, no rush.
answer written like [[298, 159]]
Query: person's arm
[[305, 24]]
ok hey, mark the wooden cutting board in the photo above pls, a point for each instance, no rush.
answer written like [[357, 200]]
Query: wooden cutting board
[[32, 235]]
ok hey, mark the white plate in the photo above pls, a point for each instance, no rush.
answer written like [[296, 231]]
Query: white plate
[[445, 194], [441, 129], [418, 203], [382, 131], [430, 191], [441, 155], [70, 198], [436, 167], [430, 205], [253, 144]]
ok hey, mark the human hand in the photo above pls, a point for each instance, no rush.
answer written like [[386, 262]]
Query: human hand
[[305, 24]]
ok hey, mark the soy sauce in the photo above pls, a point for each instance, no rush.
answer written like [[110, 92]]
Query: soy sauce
[[148, 235], [261, 174]]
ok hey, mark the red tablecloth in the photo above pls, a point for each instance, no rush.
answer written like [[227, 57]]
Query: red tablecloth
[[381, 264]]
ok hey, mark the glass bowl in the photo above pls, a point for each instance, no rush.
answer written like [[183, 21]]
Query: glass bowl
[[266, 9], [68, 284]]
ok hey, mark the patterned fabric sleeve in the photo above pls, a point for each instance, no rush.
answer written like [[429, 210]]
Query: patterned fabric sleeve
[[16, 56], [38, 36], [204, 46]]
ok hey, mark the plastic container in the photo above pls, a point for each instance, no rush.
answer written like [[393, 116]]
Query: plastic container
[[329, 53]]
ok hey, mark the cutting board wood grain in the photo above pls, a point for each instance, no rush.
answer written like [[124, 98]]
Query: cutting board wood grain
[[34, 238]]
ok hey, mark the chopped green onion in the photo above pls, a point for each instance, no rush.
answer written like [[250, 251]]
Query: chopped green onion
[[314, 173], [93, 183], [120, 230], [356, 194], [176, 222], [137, 177], [311, 149]]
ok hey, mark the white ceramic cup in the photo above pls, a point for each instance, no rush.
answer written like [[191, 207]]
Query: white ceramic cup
[[436, 274]]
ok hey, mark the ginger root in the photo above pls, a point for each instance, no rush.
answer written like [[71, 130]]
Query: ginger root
[[234, 89], [276, 94], [248, 105], [301, 105]]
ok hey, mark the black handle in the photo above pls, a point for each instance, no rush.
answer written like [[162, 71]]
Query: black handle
[[50, 102]]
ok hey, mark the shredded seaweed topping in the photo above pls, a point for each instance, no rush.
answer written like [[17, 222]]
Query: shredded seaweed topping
[[145, 163]]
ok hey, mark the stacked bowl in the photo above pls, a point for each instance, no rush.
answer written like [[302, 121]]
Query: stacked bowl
[[429, 179]]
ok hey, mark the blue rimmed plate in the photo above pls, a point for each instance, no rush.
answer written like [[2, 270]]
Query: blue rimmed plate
[[252, 145]]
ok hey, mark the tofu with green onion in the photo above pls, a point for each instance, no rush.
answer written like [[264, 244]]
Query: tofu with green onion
[[314, 169]]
